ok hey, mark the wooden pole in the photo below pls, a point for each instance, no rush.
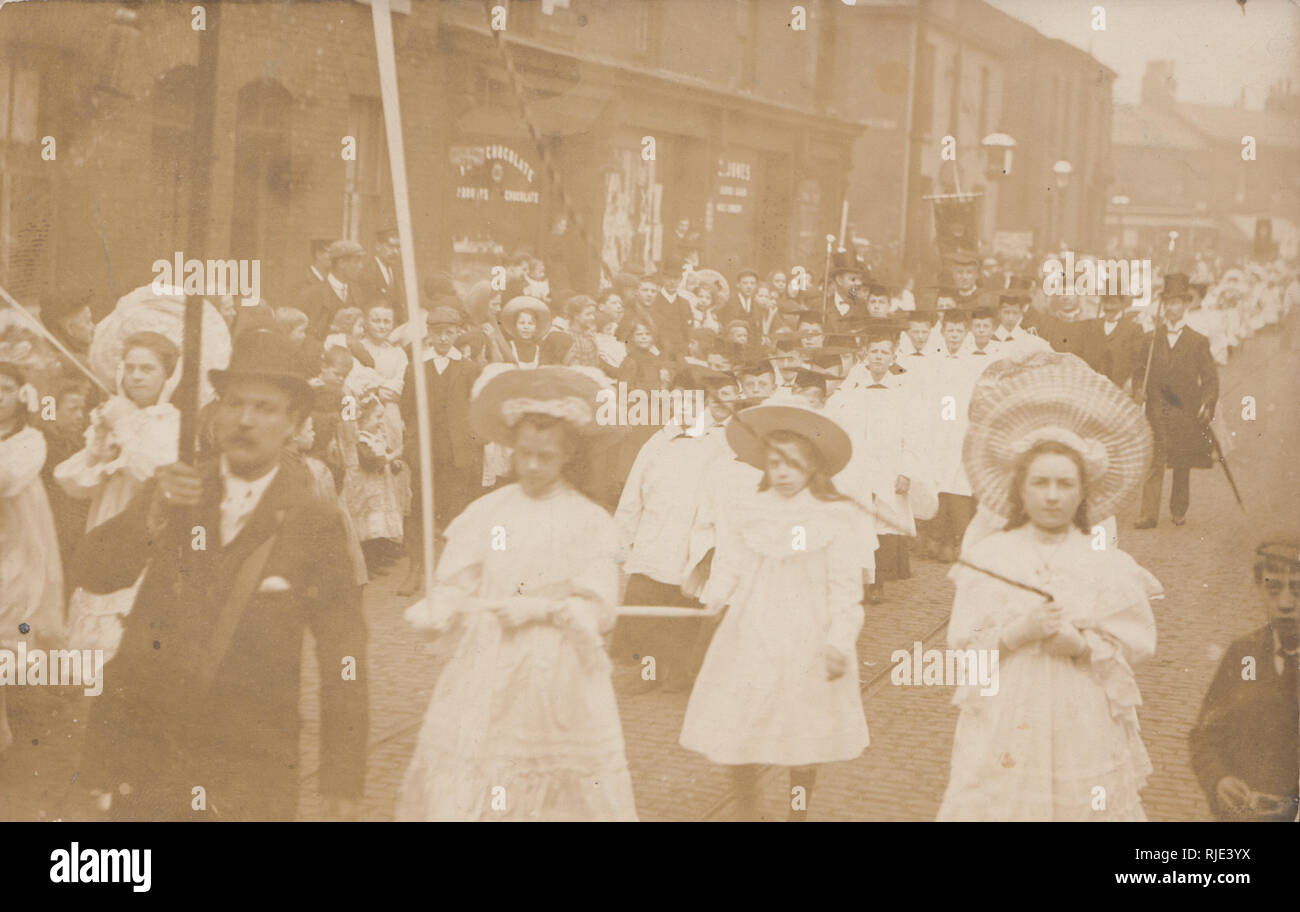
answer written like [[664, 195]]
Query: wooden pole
[[381, 15]]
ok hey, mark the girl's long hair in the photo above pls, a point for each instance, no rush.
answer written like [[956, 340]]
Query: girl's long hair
[[1018, 515], [819, 483]]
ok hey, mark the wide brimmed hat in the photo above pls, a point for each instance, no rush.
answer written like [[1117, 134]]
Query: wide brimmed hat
[[1020, 402], [746, 434], [261, 354], [503, 394], [515, 306]]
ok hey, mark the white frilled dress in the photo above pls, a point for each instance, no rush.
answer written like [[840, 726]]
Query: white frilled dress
[[31, 575], [125, 446], [523, 715], [1057, 730], [762, 695]]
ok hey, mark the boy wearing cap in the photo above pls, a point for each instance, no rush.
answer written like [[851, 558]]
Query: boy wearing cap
[[341, 288], [1246, 740], [457, 452]]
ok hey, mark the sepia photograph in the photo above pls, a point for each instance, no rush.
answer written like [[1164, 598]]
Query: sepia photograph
[[650, 410]]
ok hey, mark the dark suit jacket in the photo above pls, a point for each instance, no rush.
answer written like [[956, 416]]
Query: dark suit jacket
[[202, 694], [449, 397], [1115, 355], [733, 310], [376, 286], [320, 303], [672, 320], [834, 322], [1083, 338], [1181, 379], [1248, 729]]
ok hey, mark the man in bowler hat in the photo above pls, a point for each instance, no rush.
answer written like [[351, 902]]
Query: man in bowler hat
[[199, 715]]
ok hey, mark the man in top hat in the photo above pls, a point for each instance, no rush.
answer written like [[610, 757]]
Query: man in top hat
[[199, 715], [342, 288], [1180, 389], [382, 276], [457, 452], [1246, 741], [845, 307]]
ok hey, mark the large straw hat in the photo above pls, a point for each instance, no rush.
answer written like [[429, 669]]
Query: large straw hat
[[503, 394], [746, 431], [1018, 403], [541, 313]]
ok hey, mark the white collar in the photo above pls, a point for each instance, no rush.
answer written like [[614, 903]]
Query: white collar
[[316, 273], [238, 488], [453, 354], [1176, 328], [340, 288]]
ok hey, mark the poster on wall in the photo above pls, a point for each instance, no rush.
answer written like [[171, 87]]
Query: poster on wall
[[496, 205]]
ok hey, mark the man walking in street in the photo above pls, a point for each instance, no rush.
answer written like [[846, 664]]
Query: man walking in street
[[1180, 389], [199, 715]]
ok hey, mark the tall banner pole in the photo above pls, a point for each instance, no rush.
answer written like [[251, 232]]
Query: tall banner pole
[[383, 20]]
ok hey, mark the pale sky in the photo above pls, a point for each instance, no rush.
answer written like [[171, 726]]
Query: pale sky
[[1216, 50]]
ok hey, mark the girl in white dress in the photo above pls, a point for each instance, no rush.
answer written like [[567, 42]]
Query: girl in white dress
[[779, 684], [523, 724], [31, 574], [1051, 443], [130, 436]]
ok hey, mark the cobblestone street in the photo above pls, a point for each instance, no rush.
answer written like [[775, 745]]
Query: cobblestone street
[[1203, 565]]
